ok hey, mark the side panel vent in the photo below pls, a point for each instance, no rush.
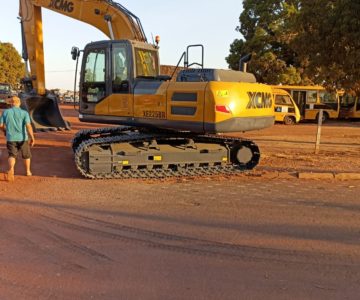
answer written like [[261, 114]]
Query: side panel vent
[[186, 97]]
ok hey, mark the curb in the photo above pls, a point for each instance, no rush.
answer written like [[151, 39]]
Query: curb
[[305, 175], [337, 176], [310, 175], [347, 176]]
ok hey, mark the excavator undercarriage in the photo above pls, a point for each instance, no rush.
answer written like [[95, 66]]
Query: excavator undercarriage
[[128, 152]]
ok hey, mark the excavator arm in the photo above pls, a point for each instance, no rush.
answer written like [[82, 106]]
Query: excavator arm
[[111, 18]]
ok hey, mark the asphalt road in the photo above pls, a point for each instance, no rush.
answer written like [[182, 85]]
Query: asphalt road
[[211, 238]]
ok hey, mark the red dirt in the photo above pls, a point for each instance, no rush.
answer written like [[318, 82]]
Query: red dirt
[[64, 237]]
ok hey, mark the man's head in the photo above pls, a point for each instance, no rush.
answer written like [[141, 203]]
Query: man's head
[[15, 101]]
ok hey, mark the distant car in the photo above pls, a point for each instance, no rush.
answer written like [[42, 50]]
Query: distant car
[[68, 99], [5, 94]]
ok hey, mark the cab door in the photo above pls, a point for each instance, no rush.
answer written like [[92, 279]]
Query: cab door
[[121, 101], [94, 87]]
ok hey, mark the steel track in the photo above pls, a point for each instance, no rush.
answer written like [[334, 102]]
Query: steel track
[[86, 139]]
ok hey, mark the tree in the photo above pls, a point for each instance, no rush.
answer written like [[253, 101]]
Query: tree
[[329, 39], [11, 65], [267, 31], [301, 42]]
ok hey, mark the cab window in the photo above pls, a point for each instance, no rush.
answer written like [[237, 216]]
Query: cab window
[[146, 63], [120, 69], [94, 87]]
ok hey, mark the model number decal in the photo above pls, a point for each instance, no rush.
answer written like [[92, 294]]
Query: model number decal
[[64, 5], [154, 114]]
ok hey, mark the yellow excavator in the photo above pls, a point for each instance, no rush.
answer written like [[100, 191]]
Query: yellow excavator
[[167, 126]]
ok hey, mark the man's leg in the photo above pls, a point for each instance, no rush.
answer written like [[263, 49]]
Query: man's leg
[[11, 162], [27, 163], [12, 150], [26, 155]]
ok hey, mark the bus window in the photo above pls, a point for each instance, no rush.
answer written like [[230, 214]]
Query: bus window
[[326, 97], [283, 100], [347, 101], [311, 97]]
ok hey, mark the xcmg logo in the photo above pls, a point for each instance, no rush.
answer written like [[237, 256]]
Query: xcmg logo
[[259, 100], [64, 5]]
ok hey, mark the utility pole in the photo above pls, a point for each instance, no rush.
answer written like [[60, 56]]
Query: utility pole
[[318, 136]]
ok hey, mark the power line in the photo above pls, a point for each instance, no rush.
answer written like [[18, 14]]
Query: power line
[[60, 71]]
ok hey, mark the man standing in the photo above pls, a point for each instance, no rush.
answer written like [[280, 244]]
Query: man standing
[[17, 127]]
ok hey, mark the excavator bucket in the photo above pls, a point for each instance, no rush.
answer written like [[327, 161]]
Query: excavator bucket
[[44, 112]]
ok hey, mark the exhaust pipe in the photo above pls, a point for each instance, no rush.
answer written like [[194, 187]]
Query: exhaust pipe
[[44, 112]]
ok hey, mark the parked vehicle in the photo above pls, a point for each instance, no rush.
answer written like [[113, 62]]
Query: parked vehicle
[[349, 106], [310, 99], [286, 110], [68, 99], [5, 94]]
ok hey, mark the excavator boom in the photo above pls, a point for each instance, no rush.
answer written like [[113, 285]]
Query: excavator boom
[[111, 18]]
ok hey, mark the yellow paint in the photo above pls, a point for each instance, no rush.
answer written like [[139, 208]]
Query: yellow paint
[[155, 103], [197, 88], [237, 100], [121, 105]]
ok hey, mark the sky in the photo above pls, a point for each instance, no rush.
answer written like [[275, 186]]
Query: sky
[[178, 23]]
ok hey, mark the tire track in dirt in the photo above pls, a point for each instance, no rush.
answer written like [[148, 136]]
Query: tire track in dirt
[[189, 245]]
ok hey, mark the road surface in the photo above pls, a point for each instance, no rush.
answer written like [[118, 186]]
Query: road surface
[[238, 238]]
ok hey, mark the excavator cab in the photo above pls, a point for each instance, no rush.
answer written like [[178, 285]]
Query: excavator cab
[[109, 73]]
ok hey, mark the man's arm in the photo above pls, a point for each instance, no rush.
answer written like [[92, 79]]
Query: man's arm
[[31, 134], [29, 129], [2, 124]]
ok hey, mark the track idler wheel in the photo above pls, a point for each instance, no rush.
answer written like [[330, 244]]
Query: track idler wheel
[[245, 155]]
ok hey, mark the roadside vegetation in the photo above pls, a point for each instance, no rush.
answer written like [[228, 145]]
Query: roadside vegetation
[[300, 42], [11, 65]]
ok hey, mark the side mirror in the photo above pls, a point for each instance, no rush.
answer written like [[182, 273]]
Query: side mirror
[[75, 52]]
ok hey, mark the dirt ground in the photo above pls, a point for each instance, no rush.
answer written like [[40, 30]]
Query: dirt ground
[[237, 237]]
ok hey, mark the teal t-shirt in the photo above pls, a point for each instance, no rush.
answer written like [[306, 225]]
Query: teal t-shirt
[[15, 120]]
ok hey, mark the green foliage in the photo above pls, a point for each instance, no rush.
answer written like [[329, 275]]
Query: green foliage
[[329, 39], [11, 66], [265, 26], [301, 42]]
